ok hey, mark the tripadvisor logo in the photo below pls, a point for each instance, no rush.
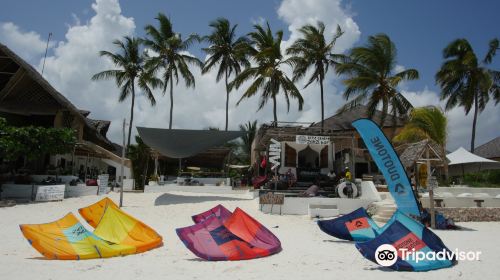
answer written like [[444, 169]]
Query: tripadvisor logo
[[387, 255]]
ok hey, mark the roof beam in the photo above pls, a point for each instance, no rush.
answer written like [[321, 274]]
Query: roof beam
[[11, 84]]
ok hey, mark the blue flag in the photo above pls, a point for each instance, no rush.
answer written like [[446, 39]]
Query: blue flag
[[389, 164]]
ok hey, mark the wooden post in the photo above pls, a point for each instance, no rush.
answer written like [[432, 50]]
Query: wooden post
[[122, 164], [431, 191], [353, 160]]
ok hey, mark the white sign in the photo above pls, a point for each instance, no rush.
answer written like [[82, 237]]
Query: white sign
[[310, 139], [274, 154], [102, 181], [432, 183], [50, 193]]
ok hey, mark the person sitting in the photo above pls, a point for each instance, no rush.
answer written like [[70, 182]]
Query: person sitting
[[312, 191]]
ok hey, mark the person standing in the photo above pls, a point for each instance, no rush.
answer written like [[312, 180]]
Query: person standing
[[348, 175]]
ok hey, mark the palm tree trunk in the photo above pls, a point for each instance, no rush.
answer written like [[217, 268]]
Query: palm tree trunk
[[131, 117], [227, 102], [322, 105], [274, 112], [474, 125], [171, 101]]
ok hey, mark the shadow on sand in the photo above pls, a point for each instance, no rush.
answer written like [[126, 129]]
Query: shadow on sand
[[171, 199]]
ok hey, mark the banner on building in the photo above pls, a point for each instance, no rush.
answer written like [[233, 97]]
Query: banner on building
[[311, 139], [274, 154]]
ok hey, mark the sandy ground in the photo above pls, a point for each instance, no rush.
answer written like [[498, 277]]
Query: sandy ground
[[307, 252]]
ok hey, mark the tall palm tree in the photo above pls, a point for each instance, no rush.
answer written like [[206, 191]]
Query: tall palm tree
[[227, 51], [171, 58], [466, 81], [250, 129], [313, 51], [268, 75], [131, 70], [371, 78]]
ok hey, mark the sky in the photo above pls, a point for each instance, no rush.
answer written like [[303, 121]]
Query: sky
[[420, 30]]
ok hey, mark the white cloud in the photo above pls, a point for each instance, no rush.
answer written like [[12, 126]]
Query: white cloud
[[76, 59], [28, 45], [460, 125], [331, 12]]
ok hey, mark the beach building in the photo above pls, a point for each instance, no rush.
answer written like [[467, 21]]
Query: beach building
[[310, 151], [489, 150], [26, 98]]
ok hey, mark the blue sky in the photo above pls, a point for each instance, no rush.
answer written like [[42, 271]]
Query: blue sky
[[420, 29]]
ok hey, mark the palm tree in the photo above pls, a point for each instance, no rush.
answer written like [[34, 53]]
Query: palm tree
[[130, 63], [251, 129], [371, 79], [227, 51], [171, 58], [267, 75], [313, 51], [140, 155], [426, 123], [466, 81]]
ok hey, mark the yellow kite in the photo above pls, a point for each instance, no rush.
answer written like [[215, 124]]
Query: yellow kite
[[116, 234]]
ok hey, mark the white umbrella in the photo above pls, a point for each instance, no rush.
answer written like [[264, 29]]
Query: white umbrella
[[462, 161]]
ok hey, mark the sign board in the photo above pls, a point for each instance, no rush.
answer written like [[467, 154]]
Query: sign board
[[432, 183], [275, 154], [271, 198], [311, 139], [50, 193], [102, 182]]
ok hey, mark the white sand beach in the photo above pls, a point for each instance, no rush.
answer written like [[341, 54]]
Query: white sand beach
[[308, 253]]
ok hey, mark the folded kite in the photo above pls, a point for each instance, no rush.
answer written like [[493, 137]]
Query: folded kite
[[237, 237], [116, 234], [218, 211], [355, 226], [408, 235]]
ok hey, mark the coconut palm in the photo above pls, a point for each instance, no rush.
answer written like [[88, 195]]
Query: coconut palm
[[170, 57], [466, 81], [267, 75], [250, 129], [226, 51], [131, 70], [426, 123], [313, 51], [371, 79]]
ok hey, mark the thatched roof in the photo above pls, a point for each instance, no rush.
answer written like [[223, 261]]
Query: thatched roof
[[413, 152], [490, 149], [344, 120], [24, 91]]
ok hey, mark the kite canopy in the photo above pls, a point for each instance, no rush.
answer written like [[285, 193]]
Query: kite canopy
[[183, 143], [218, 211], [116, 234], [116, 226], [404, 233], [67, 239], [355, 226], [239, 237]]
